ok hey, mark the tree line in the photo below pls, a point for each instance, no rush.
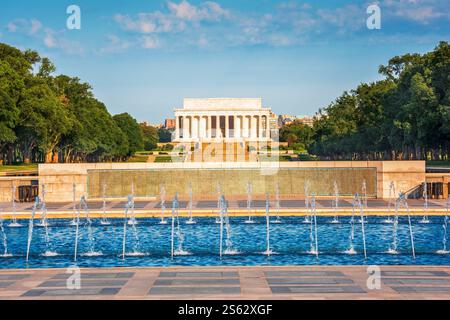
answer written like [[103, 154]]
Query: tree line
[[404, 116], [48, 118]]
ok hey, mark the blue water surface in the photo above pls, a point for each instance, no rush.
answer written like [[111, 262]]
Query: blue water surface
[[290, 242]]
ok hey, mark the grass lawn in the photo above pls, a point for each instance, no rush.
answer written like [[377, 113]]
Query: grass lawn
[[438, 163], [18, 167], [138, 158]]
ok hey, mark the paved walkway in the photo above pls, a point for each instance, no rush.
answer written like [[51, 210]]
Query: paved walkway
[[236, 207], [306, 282]]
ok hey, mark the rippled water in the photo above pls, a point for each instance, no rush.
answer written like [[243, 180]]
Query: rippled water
[[290, 243]]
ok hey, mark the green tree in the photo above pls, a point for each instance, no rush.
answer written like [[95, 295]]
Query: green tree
[[132, 131], [150, 135], [164, 135]]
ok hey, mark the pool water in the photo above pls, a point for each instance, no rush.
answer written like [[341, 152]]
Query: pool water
[[289, 241]]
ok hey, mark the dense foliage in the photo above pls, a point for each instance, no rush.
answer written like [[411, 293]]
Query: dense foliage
[[406, 115], [47, 118]]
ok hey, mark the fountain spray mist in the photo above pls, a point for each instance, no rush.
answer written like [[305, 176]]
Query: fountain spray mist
[[402, 201], [425, 204], [190, 204], [335, 202], [30, 226], [249, 202], [14, 223], [444, 226]]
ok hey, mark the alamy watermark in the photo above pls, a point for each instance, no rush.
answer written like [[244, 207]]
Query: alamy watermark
[[73, 22], [373, 22], [73, 282], [374, 278]]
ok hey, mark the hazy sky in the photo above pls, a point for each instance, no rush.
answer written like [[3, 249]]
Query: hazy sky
[[145, 56]]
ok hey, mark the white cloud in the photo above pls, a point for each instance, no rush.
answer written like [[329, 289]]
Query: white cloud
[[175, 20], [49, 38], [115, 45], [150, 42], [24, 26], [36, 25], [209, 11], [421, 11]]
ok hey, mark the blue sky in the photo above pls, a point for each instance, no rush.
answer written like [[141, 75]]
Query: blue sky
[[145, 56]]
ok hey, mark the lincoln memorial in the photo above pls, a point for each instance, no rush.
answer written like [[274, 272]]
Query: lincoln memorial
[[222, 119]]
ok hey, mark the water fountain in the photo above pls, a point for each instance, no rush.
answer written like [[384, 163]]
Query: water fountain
[[314, 248], [219, 199], [43, 209], [277, 203], [132, 220], [191, 200], [444, 226], [393, 247], [351, 237], [306, 186], [74, 206], [364, 192], [402, 201], [363, 229], [162, 197], [268, 251], [44, 223], [31, 225], [91, 240], [14, 223], [249, 202], [176, 230], [129, 207], [390, 201], [425, 204], [104, 220], [364, 200], [335, 202], [5, 240], [229, 250], [221, 220]]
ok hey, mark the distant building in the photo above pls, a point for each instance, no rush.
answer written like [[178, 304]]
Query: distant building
[[286, 119], [226, 119], [273, 121], [309, 121], [170, 124]]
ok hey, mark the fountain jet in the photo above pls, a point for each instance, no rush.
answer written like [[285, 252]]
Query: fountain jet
[[162, 197], [268, 250], [249, 202], [14, 223], [391, 200], [74, 206], [307, 187], [4, 238], [176, 230], [191, 200], [425, 204], [444, 226], [314, 247], [104, 220], [402, 201], [129, 207], [335, 202], [277, 203], [31, 225]]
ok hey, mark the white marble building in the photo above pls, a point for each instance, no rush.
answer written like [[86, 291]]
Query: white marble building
[[224, 119]]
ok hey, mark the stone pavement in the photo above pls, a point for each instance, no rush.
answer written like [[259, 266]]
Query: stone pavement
[[288, 207], [255, 283]]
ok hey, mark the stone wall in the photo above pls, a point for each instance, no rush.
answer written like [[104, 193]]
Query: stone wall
[[233, 178]]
